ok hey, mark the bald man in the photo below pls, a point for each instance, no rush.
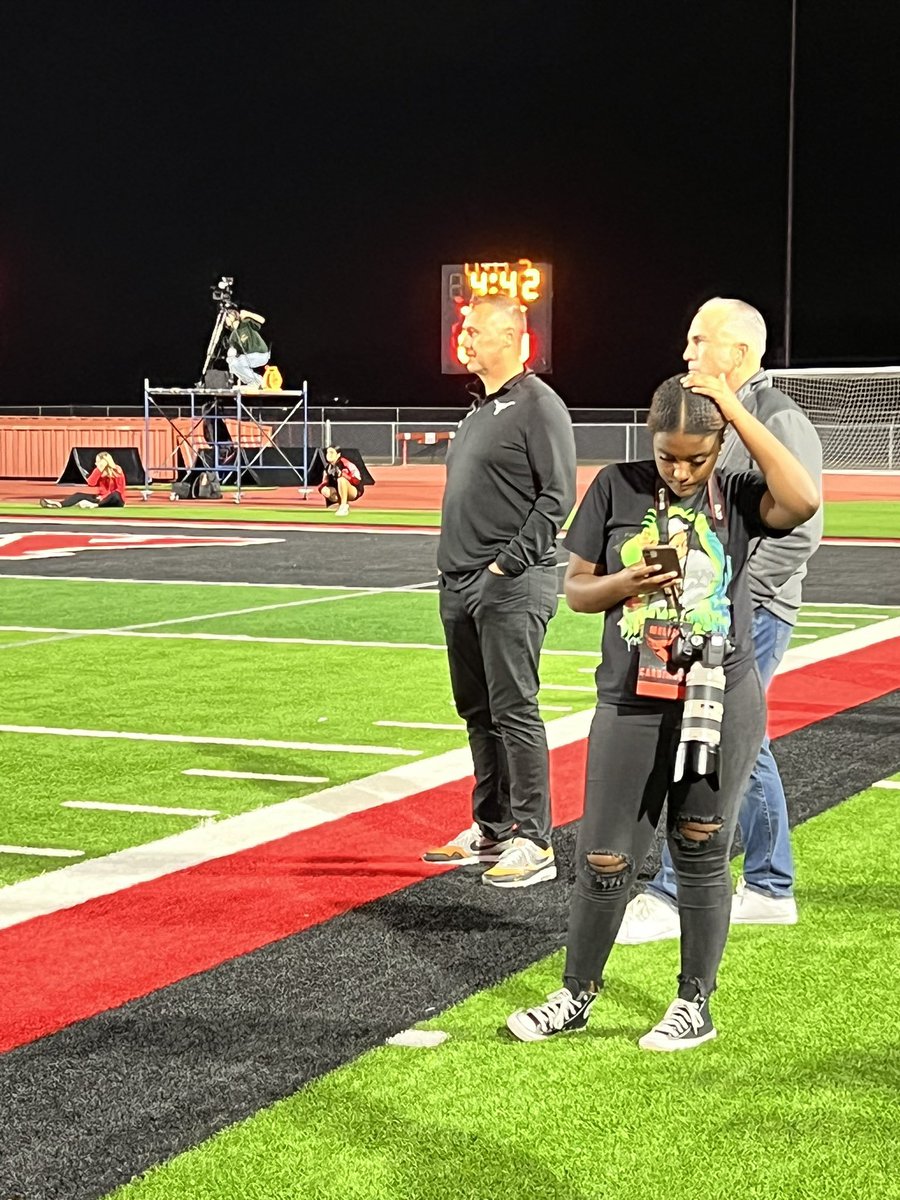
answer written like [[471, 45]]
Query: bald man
[[727, 339]]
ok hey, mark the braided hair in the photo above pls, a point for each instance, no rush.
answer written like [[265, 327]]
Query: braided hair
[[675, 409]]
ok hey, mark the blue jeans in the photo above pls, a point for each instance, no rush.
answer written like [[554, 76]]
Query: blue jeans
[[763, 818], [241, 365]]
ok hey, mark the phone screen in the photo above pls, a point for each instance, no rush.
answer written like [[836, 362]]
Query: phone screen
[[663, 556]]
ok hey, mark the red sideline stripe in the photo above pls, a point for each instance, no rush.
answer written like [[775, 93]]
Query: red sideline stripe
[[70, 965]]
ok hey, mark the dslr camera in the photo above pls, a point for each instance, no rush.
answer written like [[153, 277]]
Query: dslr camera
[[704, 700], [690, 647]]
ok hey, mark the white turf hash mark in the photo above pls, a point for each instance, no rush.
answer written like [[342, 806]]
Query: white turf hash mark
[[887, 783], [69, 886], [41, 852], [265, 743], [256, 775], [154, 809]]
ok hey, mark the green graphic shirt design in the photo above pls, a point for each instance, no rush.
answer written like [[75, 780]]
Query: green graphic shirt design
[[705, 566]]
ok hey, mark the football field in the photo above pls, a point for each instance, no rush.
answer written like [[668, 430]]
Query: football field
[[222, 759]]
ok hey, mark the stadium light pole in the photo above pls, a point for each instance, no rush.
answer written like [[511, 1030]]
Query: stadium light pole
[[789, 243]]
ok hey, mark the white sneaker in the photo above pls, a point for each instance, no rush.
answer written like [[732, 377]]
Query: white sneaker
[[343, 510], [86, 504], [648, 919], [522, 864], [470, 846], [50, 504], [749, 907]]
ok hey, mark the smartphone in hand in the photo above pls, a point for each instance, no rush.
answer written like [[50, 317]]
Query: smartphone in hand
[[665, 557]]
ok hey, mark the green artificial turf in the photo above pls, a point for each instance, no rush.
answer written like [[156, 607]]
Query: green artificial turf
[[168, 678], [863, 518], [303, 513], [796, 1098]]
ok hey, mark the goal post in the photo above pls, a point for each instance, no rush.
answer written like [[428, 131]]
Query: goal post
[[856, 412]]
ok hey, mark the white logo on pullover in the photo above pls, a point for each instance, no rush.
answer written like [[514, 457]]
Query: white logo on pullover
[[499, 406]]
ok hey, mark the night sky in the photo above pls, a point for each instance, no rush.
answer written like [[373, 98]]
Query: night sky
[[331, 156]]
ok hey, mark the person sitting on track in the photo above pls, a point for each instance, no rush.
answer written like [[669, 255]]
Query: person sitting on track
[[109, 479], [342, 482]]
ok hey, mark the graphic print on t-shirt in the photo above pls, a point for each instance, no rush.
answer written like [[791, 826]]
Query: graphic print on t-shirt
[[705, 567]]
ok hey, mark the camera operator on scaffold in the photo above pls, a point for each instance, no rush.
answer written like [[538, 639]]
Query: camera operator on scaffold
[[245, 346], [236, 333]]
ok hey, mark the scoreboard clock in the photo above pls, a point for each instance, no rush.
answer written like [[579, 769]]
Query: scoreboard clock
[[529, 283]]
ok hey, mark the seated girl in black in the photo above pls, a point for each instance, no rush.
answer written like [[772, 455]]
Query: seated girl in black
[[634, 763]]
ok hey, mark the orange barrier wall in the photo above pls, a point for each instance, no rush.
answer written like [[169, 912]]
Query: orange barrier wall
[[38, 447]]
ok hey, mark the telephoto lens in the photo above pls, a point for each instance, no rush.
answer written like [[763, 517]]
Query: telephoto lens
[[701, 725]]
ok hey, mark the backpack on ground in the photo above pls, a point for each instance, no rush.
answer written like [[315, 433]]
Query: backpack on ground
[[206, 486]]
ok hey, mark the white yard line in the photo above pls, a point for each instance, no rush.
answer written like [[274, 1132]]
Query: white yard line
[[810, 610], [873, 542], [136, 632], [555, 707], [234, 612], [217, 583], [155, 809], [417, 725], [813, 624], [39, 852], [157, 524], [887, 783], [838, 644], [565, 687], [264, 743], [76, 884], [256, 775]]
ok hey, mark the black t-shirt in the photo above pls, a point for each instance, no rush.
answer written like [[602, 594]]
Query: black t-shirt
[[618, 517]]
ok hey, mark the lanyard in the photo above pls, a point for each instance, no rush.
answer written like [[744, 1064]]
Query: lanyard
[[717, 517]]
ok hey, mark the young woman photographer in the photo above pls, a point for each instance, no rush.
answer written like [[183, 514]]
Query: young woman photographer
[[652, 615]]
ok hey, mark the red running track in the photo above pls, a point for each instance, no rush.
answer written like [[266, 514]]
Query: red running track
[[70, 965]]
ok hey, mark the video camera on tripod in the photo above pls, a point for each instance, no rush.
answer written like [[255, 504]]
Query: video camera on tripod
[[222, 292], [223, 295]]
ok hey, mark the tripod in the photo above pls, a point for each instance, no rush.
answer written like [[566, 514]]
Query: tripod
[[212, 349]]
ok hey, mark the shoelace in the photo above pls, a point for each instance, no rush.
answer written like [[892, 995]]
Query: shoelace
[[560, 1007], [681, 1015], [641, 906]]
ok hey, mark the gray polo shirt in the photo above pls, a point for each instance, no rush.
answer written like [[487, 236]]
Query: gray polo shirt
[[777, 566]]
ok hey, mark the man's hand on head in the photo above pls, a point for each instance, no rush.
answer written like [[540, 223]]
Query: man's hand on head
[[717, 389]]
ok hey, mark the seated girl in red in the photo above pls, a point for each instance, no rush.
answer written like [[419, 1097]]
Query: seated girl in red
[[109, 480]]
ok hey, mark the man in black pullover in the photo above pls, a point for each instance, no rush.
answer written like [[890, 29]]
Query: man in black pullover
[[510, 486]]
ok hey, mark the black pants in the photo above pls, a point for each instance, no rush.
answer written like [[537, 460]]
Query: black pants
[[495, 628], [630, 757], [113, 500]]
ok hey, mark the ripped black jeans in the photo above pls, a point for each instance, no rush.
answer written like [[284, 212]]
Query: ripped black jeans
[[630, 757]]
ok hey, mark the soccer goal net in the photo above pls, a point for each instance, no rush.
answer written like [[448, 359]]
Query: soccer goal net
[[856, 414]]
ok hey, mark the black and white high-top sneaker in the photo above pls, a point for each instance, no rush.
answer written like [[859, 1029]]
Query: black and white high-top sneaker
[[562, 1013], [687, 1024]]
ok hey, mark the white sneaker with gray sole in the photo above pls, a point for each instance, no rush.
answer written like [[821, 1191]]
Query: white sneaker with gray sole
[[749, 907], [648, 919]]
